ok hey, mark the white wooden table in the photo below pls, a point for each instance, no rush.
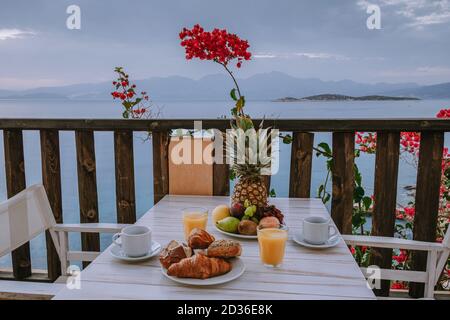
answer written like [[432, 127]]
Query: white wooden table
[[305, 273]]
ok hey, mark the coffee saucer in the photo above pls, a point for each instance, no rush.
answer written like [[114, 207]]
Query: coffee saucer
[[118, 253], [333, 241]]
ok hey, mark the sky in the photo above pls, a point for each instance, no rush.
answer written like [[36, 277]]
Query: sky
[[326, 39]]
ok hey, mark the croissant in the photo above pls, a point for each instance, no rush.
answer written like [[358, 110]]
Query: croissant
[[174, 252], [199, 266], [199, 239]]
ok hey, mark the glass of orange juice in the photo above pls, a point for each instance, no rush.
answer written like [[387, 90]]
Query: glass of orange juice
[[272, 244], [194, 217]]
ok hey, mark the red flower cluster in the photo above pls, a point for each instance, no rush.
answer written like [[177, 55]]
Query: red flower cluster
[[405, 213], [410, 141], [352, 250], [443, 113], [402, 257], [139, 111], [398, 285], [367, 142], [217, 45]]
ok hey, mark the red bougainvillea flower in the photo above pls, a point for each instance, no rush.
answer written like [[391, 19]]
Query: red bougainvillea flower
[[398, 285], [443, 113], [402, 257], [352, 250], [410, 212], [217, 45], [367, 141]]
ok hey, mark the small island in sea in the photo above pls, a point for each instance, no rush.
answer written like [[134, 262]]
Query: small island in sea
[[340, 97]]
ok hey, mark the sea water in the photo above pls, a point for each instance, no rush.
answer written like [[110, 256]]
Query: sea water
[[195, 110]]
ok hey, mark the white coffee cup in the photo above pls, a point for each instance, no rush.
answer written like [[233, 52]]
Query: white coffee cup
[[135, 241], [318, 230]]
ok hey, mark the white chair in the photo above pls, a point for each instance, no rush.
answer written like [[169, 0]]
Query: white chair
[[438, 254], [27, 215]]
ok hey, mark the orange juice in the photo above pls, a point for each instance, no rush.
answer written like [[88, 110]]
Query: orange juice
[[272, 243], [194, 218]]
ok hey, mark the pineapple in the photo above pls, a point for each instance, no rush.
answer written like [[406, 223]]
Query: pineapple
[[250, 185]]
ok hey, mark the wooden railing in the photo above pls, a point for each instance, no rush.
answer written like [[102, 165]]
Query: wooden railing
[[386, 173]]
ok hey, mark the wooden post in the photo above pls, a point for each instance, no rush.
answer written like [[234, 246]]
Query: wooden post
[[427, 199], [343, 180], [51, 179], [15, 182], [385, 203], [125, 195], [87, 187], [301, 165], [160, 141]]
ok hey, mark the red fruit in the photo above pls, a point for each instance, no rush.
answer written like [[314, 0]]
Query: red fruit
[[237, 210]]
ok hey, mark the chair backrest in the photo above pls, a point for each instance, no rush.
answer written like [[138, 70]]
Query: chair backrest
[[446, 241], [23, 217]]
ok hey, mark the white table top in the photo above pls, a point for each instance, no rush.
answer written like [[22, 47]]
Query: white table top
[[305, 273]]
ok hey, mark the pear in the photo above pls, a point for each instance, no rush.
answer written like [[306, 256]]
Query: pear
[[228, 224]]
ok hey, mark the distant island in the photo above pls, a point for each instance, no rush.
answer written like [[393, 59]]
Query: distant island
[[340, 97], [36, 96]]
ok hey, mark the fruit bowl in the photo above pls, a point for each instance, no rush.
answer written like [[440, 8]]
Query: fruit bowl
[[242, 219]]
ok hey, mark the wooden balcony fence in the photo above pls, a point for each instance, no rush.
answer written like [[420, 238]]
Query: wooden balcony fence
[[386, 173]]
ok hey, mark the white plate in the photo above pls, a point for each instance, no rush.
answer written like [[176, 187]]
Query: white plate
[[117, 253], [236, 235], [238, 268], [333, 241]]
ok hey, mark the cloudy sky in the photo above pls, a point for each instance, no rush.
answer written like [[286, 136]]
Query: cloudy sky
[[322, 39]]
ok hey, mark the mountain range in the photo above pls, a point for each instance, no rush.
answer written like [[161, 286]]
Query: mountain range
[[264, 86]]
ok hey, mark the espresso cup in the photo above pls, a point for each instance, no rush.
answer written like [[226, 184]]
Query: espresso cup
[[135, 241], [318, 230]]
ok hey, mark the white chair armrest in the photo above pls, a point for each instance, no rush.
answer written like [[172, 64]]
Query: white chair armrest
[[90, 227], [388, 242]]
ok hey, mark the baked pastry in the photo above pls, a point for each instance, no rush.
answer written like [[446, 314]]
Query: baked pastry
[[199, 239], [173, 253], [224, 249], [199, 266]]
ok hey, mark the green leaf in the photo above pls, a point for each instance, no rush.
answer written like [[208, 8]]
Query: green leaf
[[272, 193], [233, 94], [320, 190], [125, 114], [330, 164], [358, 178], [367, 202], [326, 198], [356, 220], [240, 104], [127, 105], [359, 191], [325, 147], [287, 139]]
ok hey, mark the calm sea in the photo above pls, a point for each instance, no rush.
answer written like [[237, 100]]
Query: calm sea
[[177, 109]]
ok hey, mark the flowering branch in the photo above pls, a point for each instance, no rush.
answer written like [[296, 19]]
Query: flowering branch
[[134, 104], [221, 47]]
